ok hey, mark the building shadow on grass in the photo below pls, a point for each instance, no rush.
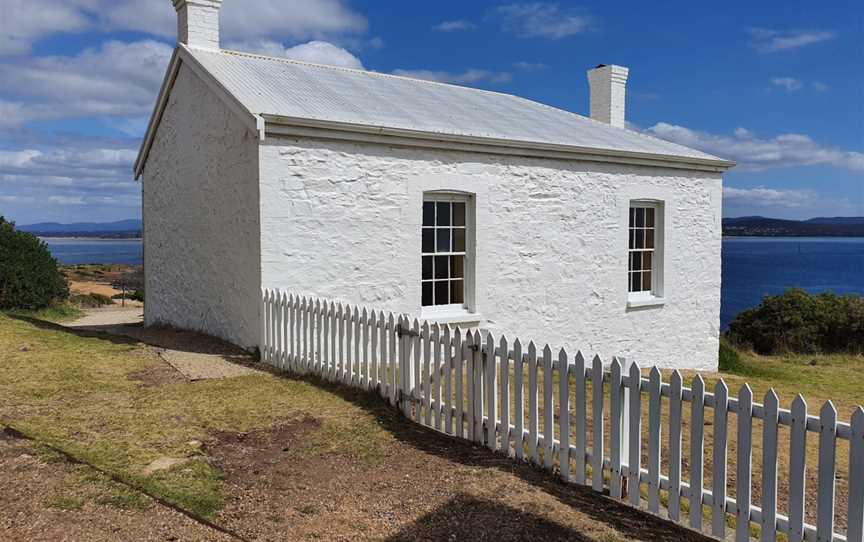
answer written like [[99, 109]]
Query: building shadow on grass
[[156, 336], [630, 522], [469, 518]]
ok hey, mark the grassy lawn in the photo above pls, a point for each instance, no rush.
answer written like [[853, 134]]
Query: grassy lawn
[[80, 395], [819, 378], [84, 395], [58, 312]]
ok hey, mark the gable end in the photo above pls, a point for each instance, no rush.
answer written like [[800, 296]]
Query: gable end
[[180, 57]]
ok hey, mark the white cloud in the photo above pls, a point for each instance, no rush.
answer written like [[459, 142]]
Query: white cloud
[[25, 21], [753, 153], [461, 78], [66, 200], [785, 202], [116, 79], [317, 52], [789, 83], [529, 66], [16, 199], [79, 173], [454, 26], [766, 40], [60, 162], [542, 20], [768, 197], [819, 86]]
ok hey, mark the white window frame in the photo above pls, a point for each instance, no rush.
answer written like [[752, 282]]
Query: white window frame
[[456, 311], [655, 296]]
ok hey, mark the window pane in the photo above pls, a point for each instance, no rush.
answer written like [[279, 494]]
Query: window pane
[[632, 239], [649, 217], [427, 294], [443, 235], [649, 238], [458, 214], [640, 217], [457, 267], [457, 291], [442, 292], [427, 267], [632, 217], [640, 239], [428, 240], [647, 259], [428, 213], [443, 214], [635, 263], [634, 285], [458, 240], [646, 281], [442, 268]]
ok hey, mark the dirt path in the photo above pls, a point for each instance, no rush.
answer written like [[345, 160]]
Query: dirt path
[[104, 319], [195, 356]]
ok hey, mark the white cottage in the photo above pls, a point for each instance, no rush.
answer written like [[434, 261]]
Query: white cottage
[[449, 203]]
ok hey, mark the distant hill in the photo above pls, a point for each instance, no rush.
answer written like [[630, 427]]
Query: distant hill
[[120, 229], [840, 220], [760, 226]]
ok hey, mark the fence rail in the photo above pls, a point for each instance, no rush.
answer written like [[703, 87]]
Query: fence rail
[[470, 385]]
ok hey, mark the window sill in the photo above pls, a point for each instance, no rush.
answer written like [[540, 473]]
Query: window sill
[[451, 317], [644, 302]]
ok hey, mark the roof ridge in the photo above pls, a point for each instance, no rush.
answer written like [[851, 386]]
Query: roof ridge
[[639, 133], [373, 73]]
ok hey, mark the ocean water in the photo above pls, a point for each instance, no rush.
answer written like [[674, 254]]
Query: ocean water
[[752, 266], [757, 266], [81, 251]]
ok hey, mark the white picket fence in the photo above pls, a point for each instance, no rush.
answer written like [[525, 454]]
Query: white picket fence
[[464, 384]]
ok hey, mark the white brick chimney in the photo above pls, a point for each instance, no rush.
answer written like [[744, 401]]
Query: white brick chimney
[[608, 93], [198, 22]]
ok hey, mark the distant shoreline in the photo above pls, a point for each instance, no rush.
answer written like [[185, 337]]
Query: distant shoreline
[[68, 238]]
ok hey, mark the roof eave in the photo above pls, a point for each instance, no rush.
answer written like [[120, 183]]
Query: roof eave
[[297, 126], [156, 117]]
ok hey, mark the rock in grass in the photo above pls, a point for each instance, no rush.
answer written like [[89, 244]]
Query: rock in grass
[[163, 463]]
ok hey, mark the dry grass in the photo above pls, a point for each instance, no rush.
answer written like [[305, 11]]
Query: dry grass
[[817, 378], [79, 395]]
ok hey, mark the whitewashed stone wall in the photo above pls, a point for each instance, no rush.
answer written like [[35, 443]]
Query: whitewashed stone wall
[[201, 218], [342, 220]]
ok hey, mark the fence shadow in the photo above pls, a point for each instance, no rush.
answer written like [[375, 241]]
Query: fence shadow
[[636, 524], [469, 518]]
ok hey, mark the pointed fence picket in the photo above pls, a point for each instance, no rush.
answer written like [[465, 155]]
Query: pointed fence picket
[[464, 383]]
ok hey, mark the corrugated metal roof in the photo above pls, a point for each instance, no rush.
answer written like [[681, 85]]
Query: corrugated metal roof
[[288, 88]]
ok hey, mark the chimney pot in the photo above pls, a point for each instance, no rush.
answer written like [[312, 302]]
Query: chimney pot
[[198, 22], [608, 86]]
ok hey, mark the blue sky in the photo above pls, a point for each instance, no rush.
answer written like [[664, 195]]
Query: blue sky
[[776, 86]]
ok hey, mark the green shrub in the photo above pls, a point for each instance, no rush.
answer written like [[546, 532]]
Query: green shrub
[[730, 359], [29, 276], [802, 323], [136, 295], [91, 301]]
